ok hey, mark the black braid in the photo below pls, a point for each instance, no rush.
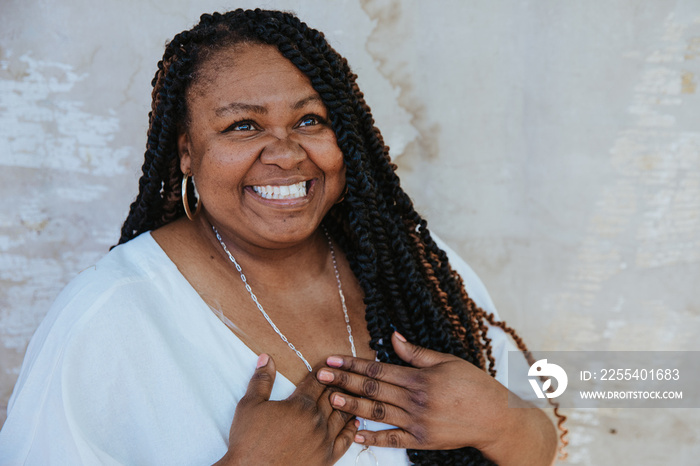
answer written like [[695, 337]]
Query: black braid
[[407, 280]]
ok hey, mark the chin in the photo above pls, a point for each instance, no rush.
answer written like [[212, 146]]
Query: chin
[[289, 234]]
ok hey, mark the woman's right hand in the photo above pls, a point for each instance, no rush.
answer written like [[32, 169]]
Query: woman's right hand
[[303, 429]]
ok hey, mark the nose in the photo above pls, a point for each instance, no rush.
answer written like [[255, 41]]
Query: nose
[[283, 152]]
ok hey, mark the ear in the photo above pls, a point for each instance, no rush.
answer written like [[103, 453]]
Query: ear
[[184, 151]]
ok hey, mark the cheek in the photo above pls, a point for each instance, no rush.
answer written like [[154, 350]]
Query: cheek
[[336, 169], [335, 172], [342, 175], [218, 171], [219, 158], [331, 161]]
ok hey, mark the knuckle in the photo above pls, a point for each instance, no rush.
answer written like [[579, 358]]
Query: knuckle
[[374, 370], [261, 376], [352, 405], [346, 440], [370, 388], [419, 398], [392, 440], [306, 403], [345, 416], [319, 423], [419, 352], [420, 433], [418, 379], [244, 401], [343, 379], [378, 411], [421, 437]]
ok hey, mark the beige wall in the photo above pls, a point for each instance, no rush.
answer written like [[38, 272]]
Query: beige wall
[[554, 144]]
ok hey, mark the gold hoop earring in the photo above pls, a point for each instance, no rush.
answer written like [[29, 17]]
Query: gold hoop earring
[[342, 197], [185, 200]]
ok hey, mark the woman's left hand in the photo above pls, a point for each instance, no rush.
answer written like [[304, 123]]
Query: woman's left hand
[[443, 402]]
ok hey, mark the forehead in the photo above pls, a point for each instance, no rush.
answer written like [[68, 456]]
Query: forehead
[[248, 72]]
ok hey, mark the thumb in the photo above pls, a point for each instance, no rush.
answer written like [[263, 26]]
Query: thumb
[[260, 385], [417, 356]]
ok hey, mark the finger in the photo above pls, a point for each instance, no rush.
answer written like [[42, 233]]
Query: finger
[[326, 409], [337, 419], [363, 386], [371, 409], [260, 385], [417, 356], [392, 438], [310, 387], [345, 439], [309, 396], [391, 373]]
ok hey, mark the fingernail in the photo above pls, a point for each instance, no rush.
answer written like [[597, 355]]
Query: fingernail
[[325, 376], [359, 438], [263, 359], [357, 423], [338, 401], [400, 337], [334, 361]]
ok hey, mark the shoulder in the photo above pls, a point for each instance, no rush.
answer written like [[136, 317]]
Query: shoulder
[[82, 352], [100, 301], [129, 271], [133, 262], [124, 344]]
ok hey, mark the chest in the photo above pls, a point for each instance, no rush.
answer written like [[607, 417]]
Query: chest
[[295, 325], [300, 307]]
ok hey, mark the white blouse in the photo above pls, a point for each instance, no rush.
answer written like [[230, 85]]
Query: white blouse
[[131, 366]]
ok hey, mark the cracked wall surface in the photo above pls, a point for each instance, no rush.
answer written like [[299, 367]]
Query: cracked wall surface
[[555, 145]]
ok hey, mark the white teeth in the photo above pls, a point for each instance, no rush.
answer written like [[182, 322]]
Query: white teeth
[[292, 191]]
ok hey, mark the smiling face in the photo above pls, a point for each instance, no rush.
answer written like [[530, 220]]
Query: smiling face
[[259, 146]]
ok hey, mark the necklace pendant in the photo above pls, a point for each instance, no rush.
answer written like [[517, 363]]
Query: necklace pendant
[[368, 455]]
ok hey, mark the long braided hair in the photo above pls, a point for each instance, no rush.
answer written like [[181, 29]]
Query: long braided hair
[[407, 280]]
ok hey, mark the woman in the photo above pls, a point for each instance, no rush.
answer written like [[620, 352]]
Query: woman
[[303, 256]]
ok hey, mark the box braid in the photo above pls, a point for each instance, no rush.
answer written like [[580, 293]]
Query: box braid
[[408, 282]]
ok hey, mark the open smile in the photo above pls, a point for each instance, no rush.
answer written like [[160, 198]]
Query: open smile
[[283, 192]]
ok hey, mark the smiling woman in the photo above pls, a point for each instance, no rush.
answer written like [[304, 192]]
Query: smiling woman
[[303, 315], [255, 131]]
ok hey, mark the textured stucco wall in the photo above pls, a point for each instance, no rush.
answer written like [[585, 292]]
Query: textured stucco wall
[[554, 144]]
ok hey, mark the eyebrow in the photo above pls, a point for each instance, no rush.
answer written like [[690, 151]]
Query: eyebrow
[[304, 102], [234, 107]]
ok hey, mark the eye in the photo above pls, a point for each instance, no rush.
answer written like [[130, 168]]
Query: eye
[[245, 125], [311, 120]]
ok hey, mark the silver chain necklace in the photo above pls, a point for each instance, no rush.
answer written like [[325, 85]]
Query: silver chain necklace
[[365, 449], [267, 317]]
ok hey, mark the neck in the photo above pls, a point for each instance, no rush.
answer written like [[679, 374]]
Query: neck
[[281, 264]]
